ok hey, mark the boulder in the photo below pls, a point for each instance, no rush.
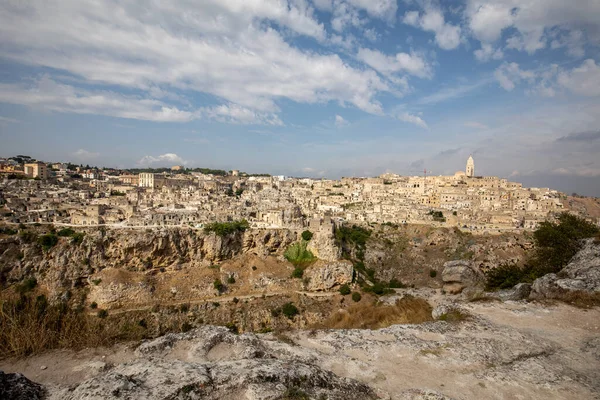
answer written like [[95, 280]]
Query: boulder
[[519, 292], [460, 274], [328, 275], [17, 387]]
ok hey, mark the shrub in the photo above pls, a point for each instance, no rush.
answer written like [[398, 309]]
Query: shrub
[[289, 310], [254, 268], [556, 243], [27, 285], [378, 288], [297, 273], [507, 275], [233, 328], [438, 216], [8, 231], [227, 228], [102, 314], [432, 273], [454, 315], [344, 290], [66, 232], [77, 237], [396, 284], [356, 297], [231, 279], [48, 241], [184, 308], [307, 235], [236, 300], [28, 237], [218, 285], [93, 305]]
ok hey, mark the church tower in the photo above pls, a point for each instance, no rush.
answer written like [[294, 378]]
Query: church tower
[[470, 167]]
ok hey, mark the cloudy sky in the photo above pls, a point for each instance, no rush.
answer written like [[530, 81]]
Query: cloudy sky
[[308, 88]]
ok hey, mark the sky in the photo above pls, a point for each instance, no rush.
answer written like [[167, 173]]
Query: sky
[[321, 88]]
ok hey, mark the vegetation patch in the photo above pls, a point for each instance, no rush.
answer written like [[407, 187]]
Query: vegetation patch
[[556, 243], [344, 290], [31, 325], [298, 254], [307, 235], [372, 315], [453, 315], [437, 216], [226, 228], [48, 241]]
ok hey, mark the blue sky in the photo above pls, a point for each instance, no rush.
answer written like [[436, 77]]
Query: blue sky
[[322, 88]]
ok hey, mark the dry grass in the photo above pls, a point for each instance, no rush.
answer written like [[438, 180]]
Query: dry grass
[[370, 315], [29, 325], [454, 315], [581, 299]]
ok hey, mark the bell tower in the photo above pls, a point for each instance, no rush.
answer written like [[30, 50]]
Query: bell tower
[[470, 167]]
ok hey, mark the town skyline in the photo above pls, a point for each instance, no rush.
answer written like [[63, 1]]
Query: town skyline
[[325, 88]]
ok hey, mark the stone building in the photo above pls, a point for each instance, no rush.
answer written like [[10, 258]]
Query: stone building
[[36, 170]]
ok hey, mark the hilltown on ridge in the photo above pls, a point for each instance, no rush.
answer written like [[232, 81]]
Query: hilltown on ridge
[[480, 204]]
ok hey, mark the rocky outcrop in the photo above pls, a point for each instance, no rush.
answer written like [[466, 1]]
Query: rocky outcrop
[[217, 364], [501, 351], [69, 265], [17, 387], [580, 277], [328, 275], [460, 274], [323, 246], [519, 292]]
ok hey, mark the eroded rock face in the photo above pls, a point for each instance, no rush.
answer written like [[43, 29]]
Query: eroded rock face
[[213, 363], [323, 246], [17, 387], [581, 275], [326, 276], [460, 274], [68, 265]]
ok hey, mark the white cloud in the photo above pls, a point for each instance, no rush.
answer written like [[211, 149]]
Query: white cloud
[[584, 80], [49, 95], [476, 125], [222, 48], [573, 41], [487, 52], [453, 92], [447, 36], [8, 120], [412, 119], [83, 155], [163, 160], [509, 75], [340, 121], [488, 20], [382, 9], [233, 113], [531, 20], [401, 62]]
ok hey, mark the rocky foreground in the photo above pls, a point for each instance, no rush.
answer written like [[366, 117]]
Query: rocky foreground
[[511, 350]]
